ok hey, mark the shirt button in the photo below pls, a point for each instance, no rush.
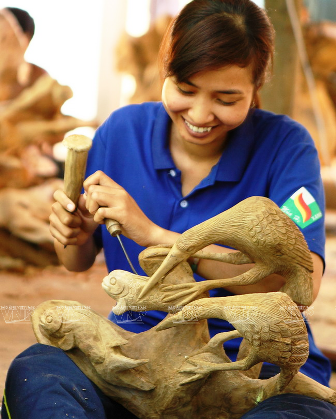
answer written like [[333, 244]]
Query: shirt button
[[172, 173], [184, 204]]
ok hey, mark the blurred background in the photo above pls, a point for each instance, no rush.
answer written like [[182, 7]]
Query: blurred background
[[85, 60], [75, 42]]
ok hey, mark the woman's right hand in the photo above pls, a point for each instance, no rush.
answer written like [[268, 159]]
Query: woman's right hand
[[67, 226]]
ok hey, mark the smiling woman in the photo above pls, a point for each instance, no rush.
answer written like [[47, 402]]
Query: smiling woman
[[204, 110], [160, 168], [81, 58], [208, 105]]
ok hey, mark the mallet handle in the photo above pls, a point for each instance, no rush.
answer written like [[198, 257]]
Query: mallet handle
[[75, 165], [74, 172]]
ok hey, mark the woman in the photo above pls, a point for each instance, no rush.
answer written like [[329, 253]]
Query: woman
[[160, 168]]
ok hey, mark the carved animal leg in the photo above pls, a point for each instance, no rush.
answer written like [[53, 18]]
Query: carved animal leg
[[196, 375], [234, 258], [208, 367], [200, 368], [151, 258], [243, 352], [285, 377], [116, 362], [192, 290], [299, 286], [215, 345]]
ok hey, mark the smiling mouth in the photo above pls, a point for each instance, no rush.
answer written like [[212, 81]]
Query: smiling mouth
[[198, 130]]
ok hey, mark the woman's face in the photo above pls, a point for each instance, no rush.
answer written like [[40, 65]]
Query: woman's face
[[208, 105]]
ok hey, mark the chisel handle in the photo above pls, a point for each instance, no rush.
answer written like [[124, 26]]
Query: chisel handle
[[113, 227]]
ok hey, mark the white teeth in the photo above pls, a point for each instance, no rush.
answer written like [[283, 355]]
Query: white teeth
[[198, 129]]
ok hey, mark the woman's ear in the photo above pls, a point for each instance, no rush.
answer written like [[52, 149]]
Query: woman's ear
[[256, 100]]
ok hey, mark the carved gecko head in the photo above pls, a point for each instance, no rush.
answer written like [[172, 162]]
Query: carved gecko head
[[123, 287], [51, 321], [115, 284]]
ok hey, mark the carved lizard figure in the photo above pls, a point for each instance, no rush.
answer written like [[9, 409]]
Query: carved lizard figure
[[67, 325]]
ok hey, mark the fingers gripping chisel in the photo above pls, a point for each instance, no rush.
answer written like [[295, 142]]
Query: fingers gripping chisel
[[74, 171]]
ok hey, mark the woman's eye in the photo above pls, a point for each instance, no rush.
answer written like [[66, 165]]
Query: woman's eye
[[184, 92], [222, 102]]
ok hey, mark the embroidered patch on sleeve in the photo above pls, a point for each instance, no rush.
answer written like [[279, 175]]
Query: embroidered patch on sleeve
[[302, 208]]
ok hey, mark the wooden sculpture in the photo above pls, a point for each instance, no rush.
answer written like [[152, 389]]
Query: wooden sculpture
[[25, 214], [31, 122], [125, 287], [262, 234], [12, 55], [137, 57], [35, 116], [271, 325], [70, 326], [174, 370]]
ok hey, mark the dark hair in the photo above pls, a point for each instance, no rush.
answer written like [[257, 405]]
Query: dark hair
[[209, 34], [24, 19]]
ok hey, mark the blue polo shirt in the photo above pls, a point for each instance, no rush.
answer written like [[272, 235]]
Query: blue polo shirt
[[268, 155]]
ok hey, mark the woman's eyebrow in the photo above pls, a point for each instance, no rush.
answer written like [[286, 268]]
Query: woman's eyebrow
[[224, 92], [231, 92]]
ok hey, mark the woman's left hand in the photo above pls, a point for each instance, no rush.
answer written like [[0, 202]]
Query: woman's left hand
[[105, 199]]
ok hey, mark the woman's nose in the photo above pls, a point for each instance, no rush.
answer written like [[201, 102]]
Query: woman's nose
[[201, 112]]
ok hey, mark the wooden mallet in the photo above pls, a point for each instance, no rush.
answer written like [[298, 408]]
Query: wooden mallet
[[75, 165]]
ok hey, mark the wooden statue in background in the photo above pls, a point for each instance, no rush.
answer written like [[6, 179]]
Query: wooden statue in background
[[175, 370], [31, 122], [137, 57], [320, 43]]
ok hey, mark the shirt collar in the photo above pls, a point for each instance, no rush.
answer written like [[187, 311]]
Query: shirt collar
[[231, 165]]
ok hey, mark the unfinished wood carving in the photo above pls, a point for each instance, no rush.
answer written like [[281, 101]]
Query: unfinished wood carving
[[270, 323], [175, 370], [262, 234], [35, 115], [31, 122], [125, 287], [25, 213], [137, 57]]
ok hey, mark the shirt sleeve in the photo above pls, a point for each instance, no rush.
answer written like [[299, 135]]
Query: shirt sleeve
[[296, 186]]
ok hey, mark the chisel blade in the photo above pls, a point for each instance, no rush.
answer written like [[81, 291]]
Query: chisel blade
[[125, 253]]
